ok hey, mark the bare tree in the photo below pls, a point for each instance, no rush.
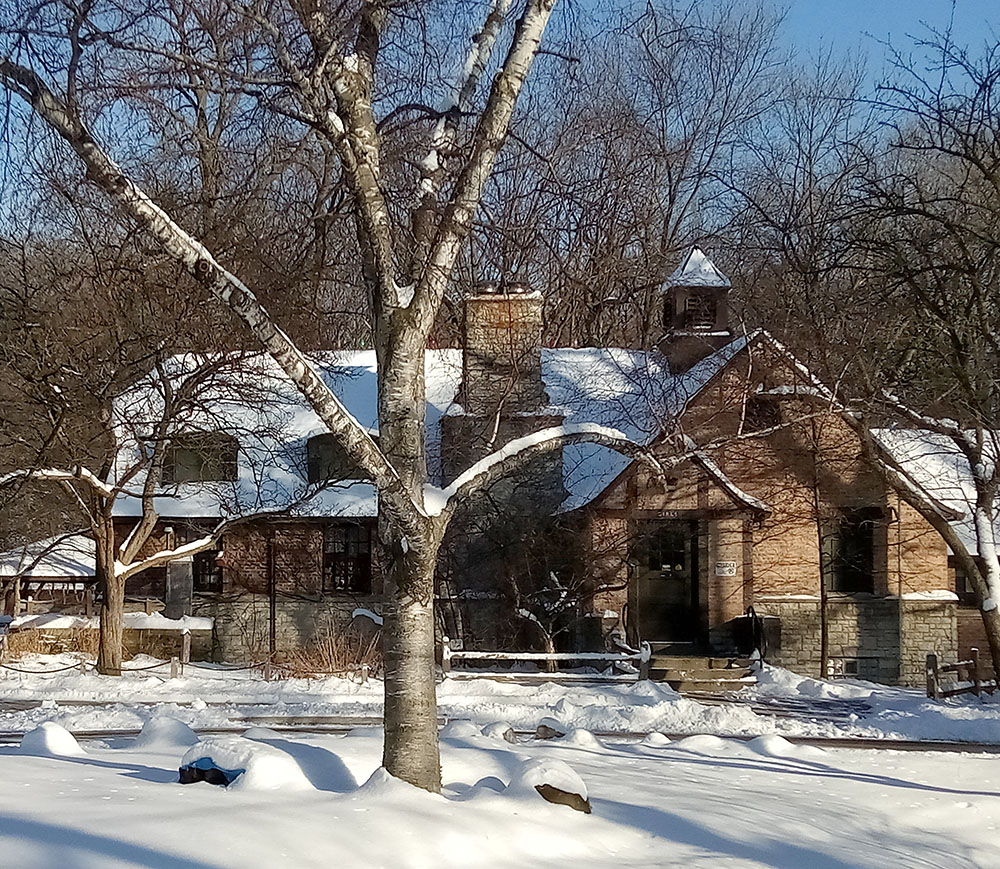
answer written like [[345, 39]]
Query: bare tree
[[317, 66]]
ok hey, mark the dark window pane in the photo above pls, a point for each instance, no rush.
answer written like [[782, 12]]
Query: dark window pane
[[327, 462], [849, 553], [347, 562], [207, 571], [761, 413], [201, 458], [699, 311]]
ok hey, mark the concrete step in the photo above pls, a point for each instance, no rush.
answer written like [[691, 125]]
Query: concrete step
[[699, 674], [715, 686], [696, 662]]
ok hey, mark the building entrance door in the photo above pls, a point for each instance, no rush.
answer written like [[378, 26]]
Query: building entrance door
[[666, 555]]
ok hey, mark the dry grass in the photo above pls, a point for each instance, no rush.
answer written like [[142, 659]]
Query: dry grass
[[81, 641], [341, 654]]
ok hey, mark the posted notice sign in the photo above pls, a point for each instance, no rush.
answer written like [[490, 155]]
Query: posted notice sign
[[725, 568]]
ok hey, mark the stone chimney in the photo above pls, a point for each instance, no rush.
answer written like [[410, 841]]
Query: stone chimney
[[502, 340], [695, 312], [502, 392]]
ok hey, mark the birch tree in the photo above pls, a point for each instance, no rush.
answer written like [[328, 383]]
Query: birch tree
[[316, 64]]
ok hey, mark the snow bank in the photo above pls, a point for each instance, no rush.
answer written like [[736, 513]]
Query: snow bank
[[655, 740], [133, 621], [252, 766], [51, 739]]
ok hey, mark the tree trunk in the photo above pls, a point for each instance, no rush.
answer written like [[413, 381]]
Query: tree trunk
[[991, 622], [11, 597], [109, 650], [410, 751]]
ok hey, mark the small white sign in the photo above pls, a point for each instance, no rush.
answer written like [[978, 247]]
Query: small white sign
[[725, 568]]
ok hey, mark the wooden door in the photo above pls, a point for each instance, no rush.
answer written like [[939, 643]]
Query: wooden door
[[666, 558]]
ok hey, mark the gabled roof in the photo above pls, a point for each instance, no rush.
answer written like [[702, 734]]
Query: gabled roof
[[632, 391], [697, 270]]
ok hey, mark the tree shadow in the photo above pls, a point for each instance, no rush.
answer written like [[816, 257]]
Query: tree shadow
[[154, 774], [779, 854], [806, 768], [64, 846]]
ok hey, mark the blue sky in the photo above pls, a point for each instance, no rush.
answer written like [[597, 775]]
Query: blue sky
[[849, 25]]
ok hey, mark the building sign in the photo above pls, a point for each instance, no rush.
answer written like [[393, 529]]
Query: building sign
[[725, 568]]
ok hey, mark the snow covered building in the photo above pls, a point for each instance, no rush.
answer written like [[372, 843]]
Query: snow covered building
[[771, 507]]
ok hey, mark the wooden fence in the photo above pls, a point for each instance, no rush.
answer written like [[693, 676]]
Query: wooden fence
[[641, 658], [965, 677]]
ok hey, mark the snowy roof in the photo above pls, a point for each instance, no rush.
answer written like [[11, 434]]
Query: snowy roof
[[697, 270], [632, 391], [935, 464], [56, 556]]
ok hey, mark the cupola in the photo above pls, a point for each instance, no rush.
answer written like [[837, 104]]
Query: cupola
[[695, 311]]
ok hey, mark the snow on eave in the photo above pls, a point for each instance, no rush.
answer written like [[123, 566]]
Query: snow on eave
[[72, 557], [697, 270]]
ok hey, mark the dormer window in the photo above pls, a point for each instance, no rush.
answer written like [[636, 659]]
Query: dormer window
[[328, 463], [201, 457], [700, 310]]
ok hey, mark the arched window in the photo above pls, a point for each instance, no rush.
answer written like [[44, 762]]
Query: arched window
[[328, 463], [201, 457]]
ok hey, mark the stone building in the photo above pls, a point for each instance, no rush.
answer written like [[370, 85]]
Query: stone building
[[770, 508]]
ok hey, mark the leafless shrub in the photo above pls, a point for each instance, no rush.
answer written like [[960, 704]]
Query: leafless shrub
[[338, 654]]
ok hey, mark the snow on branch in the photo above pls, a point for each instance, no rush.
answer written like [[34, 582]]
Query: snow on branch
[[520, 451], [59, 475]]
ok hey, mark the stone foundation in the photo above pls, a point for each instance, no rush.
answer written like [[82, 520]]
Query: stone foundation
[[869, 638], [242, 625]]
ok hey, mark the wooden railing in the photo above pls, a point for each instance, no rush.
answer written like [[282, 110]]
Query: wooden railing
[[641, 658], [965, 676]]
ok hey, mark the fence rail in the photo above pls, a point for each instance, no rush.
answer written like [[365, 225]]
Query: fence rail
[[965, 676], [642, 657]]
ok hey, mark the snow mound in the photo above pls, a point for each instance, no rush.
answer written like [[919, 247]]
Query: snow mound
[[655, 740], [500, 730], [703, 743], [550, 728], [460, 729], [775, 680], [535, 777], [772, 745], [51, 739], [251, 766], [165, 731], [582, 738]]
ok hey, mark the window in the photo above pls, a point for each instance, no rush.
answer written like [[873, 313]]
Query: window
[[762, 412], [207, 571], [347, 558], [849, 553], [327, 462], [699, 311], [200, 457], [964, 588]]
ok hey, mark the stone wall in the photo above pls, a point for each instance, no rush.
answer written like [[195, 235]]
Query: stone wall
[[928, 626], [242, 624], [888, 646]]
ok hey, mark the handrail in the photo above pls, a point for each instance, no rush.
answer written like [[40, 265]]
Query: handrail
[[642, 657]]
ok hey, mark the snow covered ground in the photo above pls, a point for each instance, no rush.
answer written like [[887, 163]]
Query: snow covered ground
[[697, 802], [215, 697]]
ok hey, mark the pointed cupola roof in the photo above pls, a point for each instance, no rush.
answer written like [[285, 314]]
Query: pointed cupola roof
[[697, 270]]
